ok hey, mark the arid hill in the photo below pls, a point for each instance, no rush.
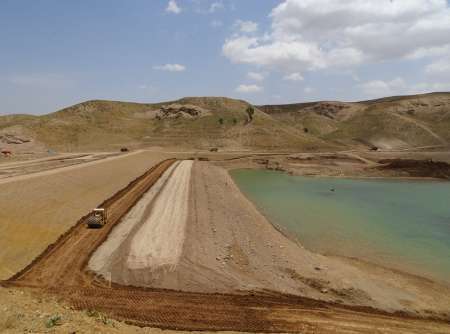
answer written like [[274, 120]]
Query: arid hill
[[206, 122], [388, 123]]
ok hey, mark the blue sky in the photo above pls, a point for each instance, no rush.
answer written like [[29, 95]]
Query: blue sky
[[55, 53]]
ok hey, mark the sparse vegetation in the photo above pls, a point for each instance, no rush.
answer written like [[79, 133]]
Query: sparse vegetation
[[53, 321], [92, 313], [250, 111], [386, 123], [99, 316]]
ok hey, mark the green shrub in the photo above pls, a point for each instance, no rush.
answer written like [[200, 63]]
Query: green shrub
[[92, 313], [53, 321]]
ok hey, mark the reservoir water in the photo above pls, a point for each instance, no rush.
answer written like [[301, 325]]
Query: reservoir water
[[399, 224]]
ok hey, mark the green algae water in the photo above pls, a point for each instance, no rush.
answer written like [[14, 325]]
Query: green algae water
[[399, 224]]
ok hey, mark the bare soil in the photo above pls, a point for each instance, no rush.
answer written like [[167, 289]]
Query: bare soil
[[10, 168], [36, 208], [413, 164], [220, 236], [151, 235], [417, 168]]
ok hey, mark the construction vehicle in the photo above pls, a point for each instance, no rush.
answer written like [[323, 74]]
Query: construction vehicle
[[97, 218]]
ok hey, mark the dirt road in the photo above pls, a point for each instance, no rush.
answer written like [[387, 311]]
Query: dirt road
[[28, 169]]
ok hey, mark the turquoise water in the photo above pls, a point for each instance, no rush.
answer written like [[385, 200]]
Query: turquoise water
[[400, 224]]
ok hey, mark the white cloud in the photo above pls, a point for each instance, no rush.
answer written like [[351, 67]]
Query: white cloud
[[249, 89], [398, 86], [170, 67], [216, 23], [255, 76], [172, 7], [38, 80], [215, 6], [308, 90], [317, 34], [246, 26], [294, 77], [355, 77], [279, 54], [439, 67], [380, 88], [435, 51], [427, 87], [148, 89], [145, 86]]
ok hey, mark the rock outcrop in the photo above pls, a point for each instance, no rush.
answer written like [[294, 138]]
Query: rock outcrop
[[13, 139], [173, 111]]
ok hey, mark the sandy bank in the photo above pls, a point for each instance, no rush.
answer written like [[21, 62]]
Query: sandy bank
[[351, 164]]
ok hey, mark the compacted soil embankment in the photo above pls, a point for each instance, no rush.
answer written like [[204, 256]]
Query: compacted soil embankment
[[194, 253], [152, 234]]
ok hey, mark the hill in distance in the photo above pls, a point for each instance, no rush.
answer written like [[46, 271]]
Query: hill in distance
[[205, 122]]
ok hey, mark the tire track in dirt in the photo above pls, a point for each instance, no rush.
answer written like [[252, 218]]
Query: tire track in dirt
[[159, 241], [61, 270], [68, 256], [109, 256], [151, 235]]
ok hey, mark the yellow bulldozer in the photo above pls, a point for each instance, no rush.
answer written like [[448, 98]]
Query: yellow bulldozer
[[97, 218]]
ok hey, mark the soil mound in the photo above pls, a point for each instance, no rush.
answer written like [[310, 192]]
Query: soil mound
[[418, 168]]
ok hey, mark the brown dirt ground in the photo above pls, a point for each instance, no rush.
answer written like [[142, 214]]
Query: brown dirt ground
[[36, 209], [354, 164], [254, 310], [27, 311], [230, 247], [60, 270]]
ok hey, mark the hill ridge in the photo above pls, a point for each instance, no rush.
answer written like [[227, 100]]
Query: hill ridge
[[226, 123]]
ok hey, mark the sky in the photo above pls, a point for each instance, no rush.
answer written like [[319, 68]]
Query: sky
[[56, 53]]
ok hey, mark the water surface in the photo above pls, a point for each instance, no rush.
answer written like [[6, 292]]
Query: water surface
[[400, 224]]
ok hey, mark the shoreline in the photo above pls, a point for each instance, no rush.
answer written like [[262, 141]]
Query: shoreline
[[400, 269], [393, 178]]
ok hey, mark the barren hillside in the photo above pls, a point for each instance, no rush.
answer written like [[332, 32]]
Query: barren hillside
[[206, 122], [389, 123], [189, 122]]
